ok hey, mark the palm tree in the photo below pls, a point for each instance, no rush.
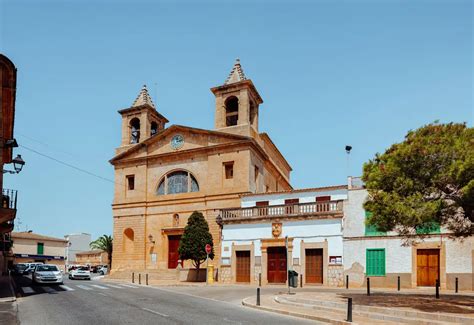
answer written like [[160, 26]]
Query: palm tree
[[104, 243]]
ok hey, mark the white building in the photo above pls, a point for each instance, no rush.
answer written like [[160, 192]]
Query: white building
[[384, 258], [78, 242], [308, 221]]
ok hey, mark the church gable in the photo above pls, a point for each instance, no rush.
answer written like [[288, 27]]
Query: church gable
[[177, 139]]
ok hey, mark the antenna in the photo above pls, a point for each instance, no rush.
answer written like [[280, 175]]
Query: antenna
[[348, 151]]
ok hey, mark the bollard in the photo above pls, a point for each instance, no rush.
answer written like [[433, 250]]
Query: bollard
[[349, 309], [368, 286], [398, 284], [301, 280], [139, 278], [347, 281], [260, 279], [258, 296], [147, 279], [457, 285], [437, 289], [133, 277]]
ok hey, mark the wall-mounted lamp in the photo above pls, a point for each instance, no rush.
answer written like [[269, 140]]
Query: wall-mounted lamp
[[18, 164]]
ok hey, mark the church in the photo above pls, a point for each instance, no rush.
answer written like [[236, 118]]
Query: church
[[164, 173]]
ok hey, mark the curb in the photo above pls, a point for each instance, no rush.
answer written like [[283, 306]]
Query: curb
[[246, 303]]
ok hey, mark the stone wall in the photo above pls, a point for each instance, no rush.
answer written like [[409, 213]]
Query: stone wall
[[335, 275], [225, 274]]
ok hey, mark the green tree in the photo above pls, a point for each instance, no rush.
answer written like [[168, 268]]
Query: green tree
[[193, 242], [104, 243], [426, 179]]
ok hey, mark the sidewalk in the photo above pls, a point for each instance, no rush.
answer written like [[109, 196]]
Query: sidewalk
[[7, 293], [8, 307]]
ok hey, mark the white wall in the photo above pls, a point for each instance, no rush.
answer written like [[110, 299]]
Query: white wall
[[77, 243], [307, 230], [354, 213], [304, 197]]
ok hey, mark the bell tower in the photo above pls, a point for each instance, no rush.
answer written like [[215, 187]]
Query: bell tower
[[141, 120], [237, 104]]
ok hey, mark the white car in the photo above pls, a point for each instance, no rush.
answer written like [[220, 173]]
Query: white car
[[82, 272], [47, 273]]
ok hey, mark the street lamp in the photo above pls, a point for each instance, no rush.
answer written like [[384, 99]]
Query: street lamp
[[18, 164]]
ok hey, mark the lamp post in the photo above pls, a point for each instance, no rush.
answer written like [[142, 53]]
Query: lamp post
[[18, 164]]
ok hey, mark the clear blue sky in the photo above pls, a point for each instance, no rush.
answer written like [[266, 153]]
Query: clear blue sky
[[331, 73]]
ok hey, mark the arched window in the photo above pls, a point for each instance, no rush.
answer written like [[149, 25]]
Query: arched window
[[154, 128], [134, 130], [177, 182], [231, 111], [128, 240]]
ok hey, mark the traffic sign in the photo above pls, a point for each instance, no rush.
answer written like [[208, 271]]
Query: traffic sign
[[208, 249]]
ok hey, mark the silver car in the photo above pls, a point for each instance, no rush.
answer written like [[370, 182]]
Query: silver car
[[47, 273]]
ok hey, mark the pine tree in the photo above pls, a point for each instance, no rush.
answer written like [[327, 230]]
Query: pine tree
[[193, 242], [428, 179]]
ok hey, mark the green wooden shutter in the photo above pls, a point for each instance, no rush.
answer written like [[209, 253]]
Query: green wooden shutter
[[375, 262], [40, 249], [429, 228]]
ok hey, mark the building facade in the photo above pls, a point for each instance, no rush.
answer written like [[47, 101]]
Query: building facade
[[92, 258], [78, 242], [384, 256], [298, 230], [29, 247], [163, 174]]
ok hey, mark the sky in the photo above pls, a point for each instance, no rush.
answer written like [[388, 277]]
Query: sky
[[331, 74]]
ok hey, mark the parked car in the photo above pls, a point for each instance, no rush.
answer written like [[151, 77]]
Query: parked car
[[103, 270], [47, 273], [19, 269], [81, 272], [30, 267]]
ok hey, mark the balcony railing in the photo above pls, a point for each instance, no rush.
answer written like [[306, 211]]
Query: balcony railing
[[284, 210], [9, 199]]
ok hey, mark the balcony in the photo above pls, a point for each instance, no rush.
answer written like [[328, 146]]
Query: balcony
[[8, 205], [325, 209]]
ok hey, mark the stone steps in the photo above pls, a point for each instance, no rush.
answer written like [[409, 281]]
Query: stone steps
[[377, 313]]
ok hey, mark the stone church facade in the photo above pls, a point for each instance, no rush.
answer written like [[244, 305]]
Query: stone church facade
[[163, 174]]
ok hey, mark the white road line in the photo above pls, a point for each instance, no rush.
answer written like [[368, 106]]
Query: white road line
[[48, 289], [98, 286], [113, 286], [102, 294], [155, 312], [127, 285], [62, 286], [27, 290], [83, 287]]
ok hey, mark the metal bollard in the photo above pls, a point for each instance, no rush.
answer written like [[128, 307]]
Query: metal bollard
[[457, 285], [133, 277], [398, 284], [437, 289], [258, 296], [349, 309], [347, 281], [368, 286], [301, 280], [260, 279], [147, 279], [139, 278]]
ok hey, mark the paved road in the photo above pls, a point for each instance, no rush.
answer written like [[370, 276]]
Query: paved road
[[95, 302]]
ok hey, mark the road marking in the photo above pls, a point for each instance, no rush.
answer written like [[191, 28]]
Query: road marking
[[66, 288], [27, 290], [155, 312], [127, 285], [114, 286], [48, 289], [102, 294], [98, 286], [83, 287]]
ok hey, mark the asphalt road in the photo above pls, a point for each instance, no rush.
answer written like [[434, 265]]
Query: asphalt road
[[94, 302]]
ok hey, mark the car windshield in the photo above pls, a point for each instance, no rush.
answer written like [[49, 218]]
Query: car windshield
[[20, 266], [41, 268], [83, 268]]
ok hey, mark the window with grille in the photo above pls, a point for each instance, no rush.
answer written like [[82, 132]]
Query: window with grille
[[375, 262], [177, 182]]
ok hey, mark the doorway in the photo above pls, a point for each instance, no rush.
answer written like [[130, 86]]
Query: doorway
[[243, 266], [173, 255], [276, 271], [314, 265], [427, 267]]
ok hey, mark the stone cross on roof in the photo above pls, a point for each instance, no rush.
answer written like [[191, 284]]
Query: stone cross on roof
[[143, 98], [236, 75]]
